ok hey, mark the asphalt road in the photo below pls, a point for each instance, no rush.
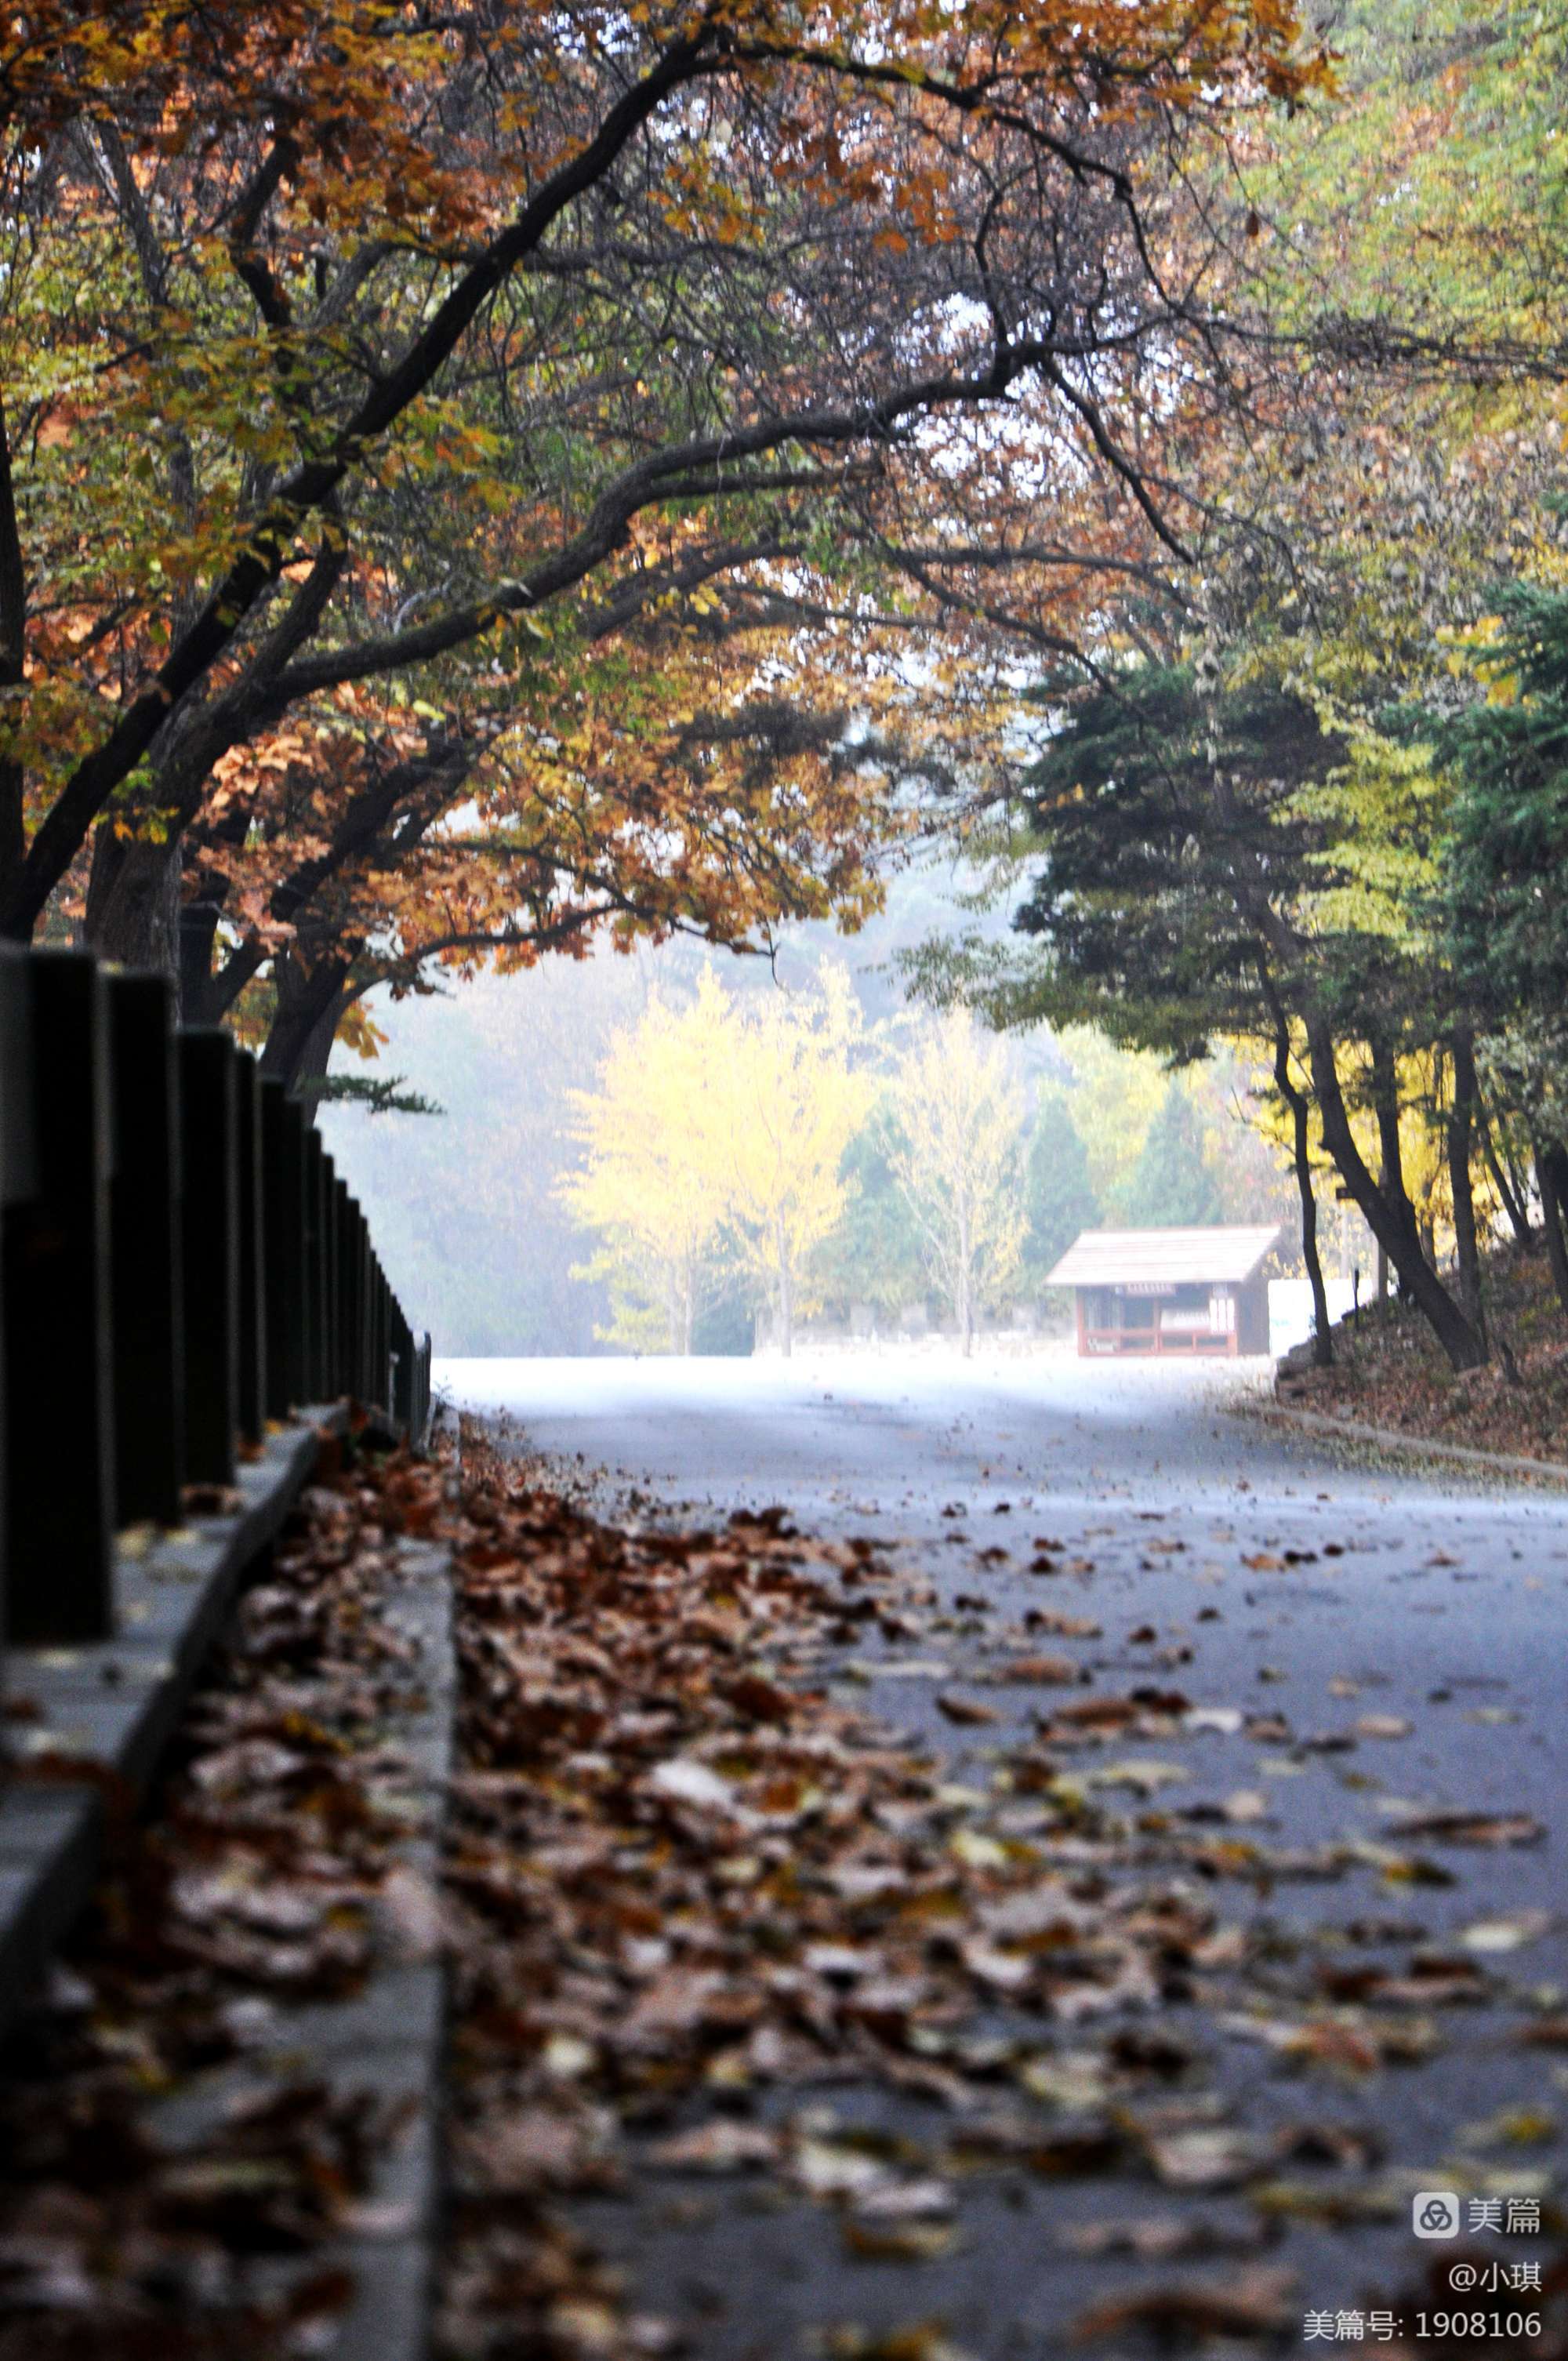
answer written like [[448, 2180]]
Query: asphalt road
[[1408, 1628]]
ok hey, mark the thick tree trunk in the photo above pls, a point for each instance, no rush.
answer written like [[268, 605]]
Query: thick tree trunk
[[309, 1007], [1461, 1132], [1392, 1224], [1386, 1107], [204, 998], [1322, 1343], [133, 902], [1552, 1180]]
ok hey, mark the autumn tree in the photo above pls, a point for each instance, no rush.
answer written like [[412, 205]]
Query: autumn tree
[[959, 1158], [795, 1096], [354, 357], [1502, 907], [632, 820], [715, 1142], [650, 1182]]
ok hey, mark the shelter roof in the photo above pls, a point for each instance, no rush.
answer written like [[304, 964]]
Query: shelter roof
[[1148, 1257]]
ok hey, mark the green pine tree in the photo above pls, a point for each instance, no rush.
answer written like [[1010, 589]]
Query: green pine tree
[[873, 1255], [1058, 1197], [1171, 1186]]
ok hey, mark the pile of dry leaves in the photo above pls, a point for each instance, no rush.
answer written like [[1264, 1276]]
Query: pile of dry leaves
[[251, 1887]]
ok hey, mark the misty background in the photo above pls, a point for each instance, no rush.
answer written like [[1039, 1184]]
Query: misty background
[[465, 1203]]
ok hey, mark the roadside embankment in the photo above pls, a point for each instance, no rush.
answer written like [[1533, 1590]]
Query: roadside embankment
[[1389, 1374]]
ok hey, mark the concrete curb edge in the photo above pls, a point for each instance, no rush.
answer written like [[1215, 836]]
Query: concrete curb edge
[[113, 1704], [1420, 1446]]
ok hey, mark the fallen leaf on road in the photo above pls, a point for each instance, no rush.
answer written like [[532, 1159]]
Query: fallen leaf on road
[[965, 1711], [1041, 1669], [692, 1783], [1186, 2312], [722, 2146], [1472, 1828]]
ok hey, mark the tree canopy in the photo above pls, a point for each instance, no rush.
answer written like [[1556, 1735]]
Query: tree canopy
[[425, 436]]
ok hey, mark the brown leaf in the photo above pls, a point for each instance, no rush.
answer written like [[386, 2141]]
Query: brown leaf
[[965, 1711], [1185, 2312], [722, 2146], [758, 1699], [1472, 1828]]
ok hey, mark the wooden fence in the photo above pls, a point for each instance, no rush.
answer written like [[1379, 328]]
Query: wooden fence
[[180, 1266]]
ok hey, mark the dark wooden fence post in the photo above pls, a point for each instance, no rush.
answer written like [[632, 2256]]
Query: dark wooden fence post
[[365, 1387], [283, 1171], [18, 1168], [383, 1339], [347, 1291], [209, 1128], [333, 1191], [146, 1283], [344, 1368], [250, 1406], [317, 1389], [59, 1361], [353, 1299], [402, 1371]]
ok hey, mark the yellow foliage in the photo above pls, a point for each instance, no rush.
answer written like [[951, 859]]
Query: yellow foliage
[[795, 1103], [715, 1136], [359, 1031], [1116, 1094], [961, 1121], [648, 1181]]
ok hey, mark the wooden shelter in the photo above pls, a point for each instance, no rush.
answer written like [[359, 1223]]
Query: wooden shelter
[[1169, 1291]]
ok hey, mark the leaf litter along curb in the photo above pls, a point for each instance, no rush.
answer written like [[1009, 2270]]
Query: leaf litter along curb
[[691, 1888], [265, 1877]]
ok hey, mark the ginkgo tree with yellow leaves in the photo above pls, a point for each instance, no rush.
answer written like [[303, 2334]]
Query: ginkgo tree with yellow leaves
[[714, 1144], [796, 1098], [649, 1183], [958, 1157]]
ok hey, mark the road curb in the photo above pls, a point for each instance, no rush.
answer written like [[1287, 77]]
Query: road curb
[[387, 2041], [400, 2018], [1419, 1447]]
